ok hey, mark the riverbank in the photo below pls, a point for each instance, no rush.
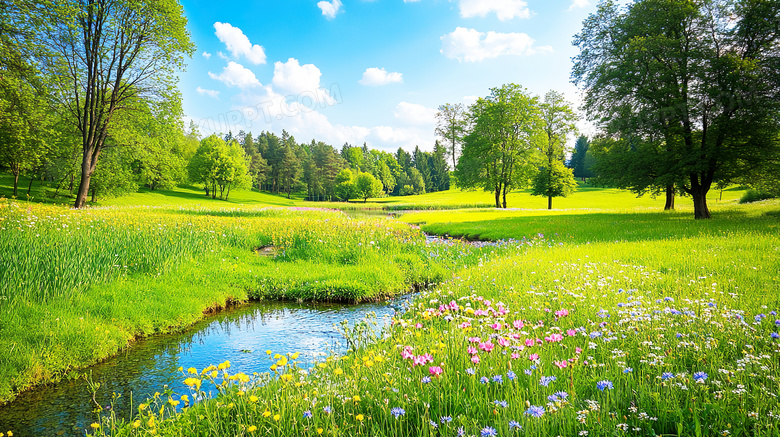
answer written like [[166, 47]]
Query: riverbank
[[588, 332], [79, 286]]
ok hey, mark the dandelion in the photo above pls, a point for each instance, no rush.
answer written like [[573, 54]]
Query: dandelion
[[277, 417], [251, 428], [398, 412], [604, 385], [534, 411], [359, 417]]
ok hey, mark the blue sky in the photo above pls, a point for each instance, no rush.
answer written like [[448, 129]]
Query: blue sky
[[368, 71]]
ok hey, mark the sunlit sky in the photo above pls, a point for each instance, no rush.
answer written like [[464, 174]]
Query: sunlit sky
[[369, 71]]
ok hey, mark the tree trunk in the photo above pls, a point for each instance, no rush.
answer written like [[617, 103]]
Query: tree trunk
[[498, 197], [16, 183], [86, 176], [700, 210], [669, 198], [206, 187], [70, 187], [549, 202], [94, 195], [29, 187]]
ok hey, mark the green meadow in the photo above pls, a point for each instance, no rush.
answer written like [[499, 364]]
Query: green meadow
[[605, 316]]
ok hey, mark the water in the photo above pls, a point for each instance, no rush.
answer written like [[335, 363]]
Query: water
[[241, 335]]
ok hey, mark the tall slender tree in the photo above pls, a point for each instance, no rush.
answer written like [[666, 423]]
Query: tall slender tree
[[558, 118], [451, 125]]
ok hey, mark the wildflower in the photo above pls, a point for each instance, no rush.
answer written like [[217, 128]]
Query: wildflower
[[327, 409], [461, 431], [445, 419], [667, 375], [562, 395], [475, 359], [470, 371], [487, 346], [277, 417], [502, 404], [533, 357], [561, 364], [514, 425], [95, 425], [546, 380], [192, 370], [774, 335], [251, 428], [488, 432], [426, 379], [554, 338], [603, 385], [498, 378], [435, 370], [359, 417], [398, 412], [534, 411], [628, 370], [700, 377], [511, 375], [307, 414], [484, 380], [338, 371], [518, 324]]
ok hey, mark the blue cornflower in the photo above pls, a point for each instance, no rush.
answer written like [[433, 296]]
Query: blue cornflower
[[511, 375], [498, 378], [484, 380], [307, 414], [667, 375], [488, 432], [678, 335], [327, 409], [668, 299], [433, 424], [398, 412], [534, 411], [595, 334], [502, 404], [603, 385], [528, 371], [628, 370], [470, 371], [699, 376], [426, 379], [445, 419], [777, 322], [774, 335], [712, 305], [562, 395], [553, 398], [533, 367], [759, 317], [546, 380], [461, 431], [514, 425]]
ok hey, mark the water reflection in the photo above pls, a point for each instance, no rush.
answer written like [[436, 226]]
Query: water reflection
[[241, 335]]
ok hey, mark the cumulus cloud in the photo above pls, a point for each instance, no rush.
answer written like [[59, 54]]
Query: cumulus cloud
[[237, 75], [378, 76], [210, 93], [579, 4], [206, 55], [504, 9], [329, 9], [470, 45], [414, 114], [238, 44], [294, 78]]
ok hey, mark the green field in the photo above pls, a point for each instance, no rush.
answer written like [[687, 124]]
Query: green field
[[606, 316]]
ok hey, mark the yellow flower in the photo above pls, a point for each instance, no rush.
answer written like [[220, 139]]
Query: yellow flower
[[251, 429], [172, 402], [359, 417], [287, 377], [322, 365], [273, 367], [253, 398], [277, 356], [186, 399], [356, 398], [338, 371], [268, 352], [214, 374], [192, 370], [193, 382], [369, 363], [266, 413], [282, 362], [277, 417], [136, 424], [295, 355], [95, 425], [319, 430], [240, 393], [224, 365]]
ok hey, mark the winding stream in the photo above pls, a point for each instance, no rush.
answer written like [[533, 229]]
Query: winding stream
[[241, 335]]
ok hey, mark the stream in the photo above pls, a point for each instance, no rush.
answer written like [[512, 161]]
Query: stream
[[241, 335]]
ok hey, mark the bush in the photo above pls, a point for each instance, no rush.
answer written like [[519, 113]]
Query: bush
[[754, 196]]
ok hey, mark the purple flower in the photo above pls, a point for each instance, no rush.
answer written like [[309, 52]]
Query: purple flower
[[502, 404], [511, 375], [306, 414], [426, 379], [604, 385], [498, 378], [514, 425], [433, 424], [667, 375], [546, 380], [562, 395], [398, 412], [470, 371], [484, 380], [628, 370], [534, 411], [699, 376], [774, 335], [445, 419], [488, 432]]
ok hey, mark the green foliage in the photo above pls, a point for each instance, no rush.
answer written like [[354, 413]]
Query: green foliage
[[345, 184], [755, 196], [451, 125], [555, 181], [220, 166], [367, 186], [578, 158]]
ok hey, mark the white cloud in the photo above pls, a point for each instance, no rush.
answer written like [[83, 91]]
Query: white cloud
[[236, 75], [206, 55], [210, 93], [579, 4], [504, 9], [378, 76], [412, 113], [470, 45], [470, 100], [295, 78], [238, 44], [330, 9]]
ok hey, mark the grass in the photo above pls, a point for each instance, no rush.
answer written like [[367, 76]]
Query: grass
[[622, 324]]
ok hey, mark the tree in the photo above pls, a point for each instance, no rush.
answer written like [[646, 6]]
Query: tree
[[219, 166], [112, 51], [577, 161], [290, 170], [558, 119], [345, 185], [367, 186], [451, 123], [700, 78], [500, 150]]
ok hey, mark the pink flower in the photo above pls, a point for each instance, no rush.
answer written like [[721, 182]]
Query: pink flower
[[539, 341], [502, 311], [472, 350], [578, 350], [487, 303], [475, 359], [533, 357], [529, 342], [407, 353], [435, 370], [473, 339], [487, 346], [503, 342], [418, 326], [571, 332], [481, 313], [496, 326], [465, 325], [547, 310], [562, 313], [561, 364], [518, 324], [515, 356], [554, 338]]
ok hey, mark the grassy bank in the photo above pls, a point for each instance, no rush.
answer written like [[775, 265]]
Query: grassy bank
[[77, 286], [669, 330]]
